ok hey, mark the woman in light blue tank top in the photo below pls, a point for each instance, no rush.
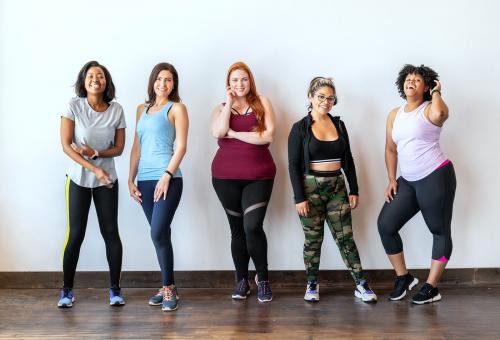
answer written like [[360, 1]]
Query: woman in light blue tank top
[[161, 121]]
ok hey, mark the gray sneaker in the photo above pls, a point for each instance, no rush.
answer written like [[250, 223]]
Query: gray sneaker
[[157, 299]]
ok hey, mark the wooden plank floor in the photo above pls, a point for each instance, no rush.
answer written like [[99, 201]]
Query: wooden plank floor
[[464, 313]]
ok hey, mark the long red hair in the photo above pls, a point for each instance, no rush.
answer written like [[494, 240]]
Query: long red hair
[[252, 96]]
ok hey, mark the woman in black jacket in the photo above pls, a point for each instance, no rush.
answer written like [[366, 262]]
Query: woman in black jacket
[[318, 151]]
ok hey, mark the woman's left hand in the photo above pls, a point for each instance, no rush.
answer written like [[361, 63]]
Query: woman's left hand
[[353, 201], [162, 187]]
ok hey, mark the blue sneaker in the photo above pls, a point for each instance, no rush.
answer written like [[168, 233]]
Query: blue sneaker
[[170, 299], [241, 290], [66, 299], [264, 292], [364, 292], [115, 297]]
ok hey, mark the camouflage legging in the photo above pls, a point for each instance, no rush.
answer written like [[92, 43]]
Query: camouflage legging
[[328, 200]]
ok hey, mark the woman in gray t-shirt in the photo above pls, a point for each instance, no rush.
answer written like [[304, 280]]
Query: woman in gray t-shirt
[[92, 134]]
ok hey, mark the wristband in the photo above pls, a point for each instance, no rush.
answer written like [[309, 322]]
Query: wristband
[[95, 155], [168, 172], [433, 91]]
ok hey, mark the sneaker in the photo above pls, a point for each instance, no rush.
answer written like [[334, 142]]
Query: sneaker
[[170, 299], [66, 299], [264, 293], [427, 294], [401, 284], [312, 291], [157, 299], [241, 290], [364, 292], [115, 297]]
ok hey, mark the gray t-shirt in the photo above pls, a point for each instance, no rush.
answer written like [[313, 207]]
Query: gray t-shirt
[[97, 131]]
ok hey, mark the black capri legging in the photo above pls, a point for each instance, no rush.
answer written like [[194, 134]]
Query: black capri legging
[[433, 195], [245, 203]]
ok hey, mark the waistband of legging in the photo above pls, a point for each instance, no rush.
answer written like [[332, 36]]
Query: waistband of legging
[[317, 173]]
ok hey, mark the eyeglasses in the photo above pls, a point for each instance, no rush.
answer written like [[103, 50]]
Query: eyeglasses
[[322, 98]]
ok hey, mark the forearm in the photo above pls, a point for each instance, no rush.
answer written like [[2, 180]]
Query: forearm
[[220, 124], [176, 159], [253, 137], [111, 152], [391, 162], [134, 163]]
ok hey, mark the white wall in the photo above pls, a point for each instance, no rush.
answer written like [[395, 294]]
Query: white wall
[[362, 44]]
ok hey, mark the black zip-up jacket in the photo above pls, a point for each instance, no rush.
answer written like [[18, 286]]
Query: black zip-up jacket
[[298, 155]]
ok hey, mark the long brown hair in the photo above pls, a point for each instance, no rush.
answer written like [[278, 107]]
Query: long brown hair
[[252, 96], [174, 95]]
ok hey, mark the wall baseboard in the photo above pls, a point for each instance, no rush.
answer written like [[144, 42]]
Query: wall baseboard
[[224, 278]]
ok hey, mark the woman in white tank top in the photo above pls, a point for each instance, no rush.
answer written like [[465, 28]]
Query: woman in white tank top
[[427, 182]]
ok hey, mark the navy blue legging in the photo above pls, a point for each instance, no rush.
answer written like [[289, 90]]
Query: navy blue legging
[[432, 195], [160, 215]]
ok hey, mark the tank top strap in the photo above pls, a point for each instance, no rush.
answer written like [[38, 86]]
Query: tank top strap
[[167, 108]]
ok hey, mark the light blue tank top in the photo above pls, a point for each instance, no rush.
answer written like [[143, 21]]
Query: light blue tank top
[[156, 137]]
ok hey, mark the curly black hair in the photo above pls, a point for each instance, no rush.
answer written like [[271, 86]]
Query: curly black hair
[[426, 72], [109, 91]]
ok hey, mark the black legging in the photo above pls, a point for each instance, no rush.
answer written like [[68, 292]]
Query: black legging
[[245, 203], [78, 201], [433, 195]]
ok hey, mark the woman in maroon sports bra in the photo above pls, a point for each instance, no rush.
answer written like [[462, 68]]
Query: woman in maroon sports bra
[[243, 173]]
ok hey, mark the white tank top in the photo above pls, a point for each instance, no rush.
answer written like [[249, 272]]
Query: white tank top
[[417, 141]]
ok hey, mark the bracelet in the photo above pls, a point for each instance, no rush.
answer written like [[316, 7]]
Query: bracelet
[[168, 172], [433, 91]]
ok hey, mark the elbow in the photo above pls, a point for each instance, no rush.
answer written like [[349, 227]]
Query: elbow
[[181, 150]]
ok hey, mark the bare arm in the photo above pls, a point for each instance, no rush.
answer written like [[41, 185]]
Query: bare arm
[[135, 155], [67, 134], [391, 157], [181, 124], [220, 120], [266, 136], [437, 112]]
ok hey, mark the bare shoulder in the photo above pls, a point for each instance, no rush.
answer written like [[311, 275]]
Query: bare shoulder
[[392, 114], [179, 107], [217, 109], [140, 109]]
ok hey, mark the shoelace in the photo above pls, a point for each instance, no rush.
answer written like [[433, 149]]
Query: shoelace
[[168, 293], [312, 286], [242, 285], [160, 292], [266, 288]]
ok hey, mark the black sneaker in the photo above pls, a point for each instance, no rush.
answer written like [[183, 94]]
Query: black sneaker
[[401, 284], [264, 293], [427, 294], [241, 290]]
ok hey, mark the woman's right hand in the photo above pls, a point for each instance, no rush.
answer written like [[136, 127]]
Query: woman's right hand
[[391, 190], [302, 208], [134, 192], [102, 176], [230, 95]]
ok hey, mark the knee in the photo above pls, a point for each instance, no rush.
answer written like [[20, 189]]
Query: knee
[[385, 227], [160, 235], [110, 234]]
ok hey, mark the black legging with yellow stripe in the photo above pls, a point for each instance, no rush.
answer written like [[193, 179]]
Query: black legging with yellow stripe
[[78, 201]]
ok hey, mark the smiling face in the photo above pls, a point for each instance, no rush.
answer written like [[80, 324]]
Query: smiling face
[[323, 100], [164, 84], [95, 81], [239, 81], [414, 86]]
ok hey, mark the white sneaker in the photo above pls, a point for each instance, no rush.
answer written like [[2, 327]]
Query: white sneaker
[[364, 292], [312, 292]]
